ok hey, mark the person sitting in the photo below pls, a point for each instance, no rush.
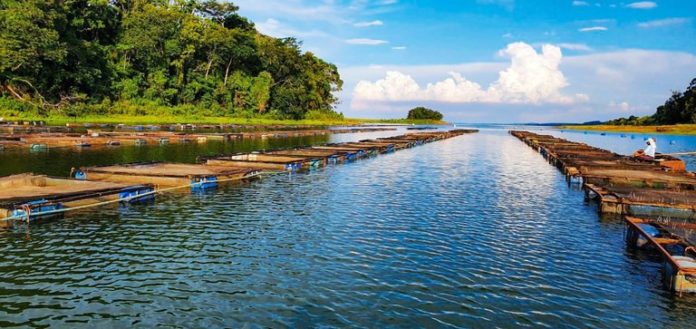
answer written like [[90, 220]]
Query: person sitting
[[649, 152]]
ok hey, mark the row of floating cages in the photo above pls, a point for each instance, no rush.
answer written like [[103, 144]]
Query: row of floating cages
[[166, 175], [319, 155], [29, 196], [640, 191], [137, 137], [591, 165]]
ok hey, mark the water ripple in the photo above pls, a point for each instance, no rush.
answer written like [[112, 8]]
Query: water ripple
[[476, 231]]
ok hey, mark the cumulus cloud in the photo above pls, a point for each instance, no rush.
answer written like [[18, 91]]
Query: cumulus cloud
[[663, 22], [593, 29], [642, 5], [580, 3], [368, 24], [531, 78], [366, 42]]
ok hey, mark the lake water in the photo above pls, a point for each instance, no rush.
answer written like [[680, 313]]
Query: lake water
[[474, 231]]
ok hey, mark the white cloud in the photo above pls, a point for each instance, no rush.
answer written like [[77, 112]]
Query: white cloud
[[507, 35], [641, 78], [663, 22], [399, 48], [366, 42], [368, 24], [531, 78], [575, 46], [275, 28], [642, 5], [580, 3], [622, 107], [593, 29]]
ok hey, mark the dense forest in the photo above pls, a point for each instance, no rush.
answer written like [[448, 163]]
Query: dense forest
[[680, 108], [423, 113], [154, 57]]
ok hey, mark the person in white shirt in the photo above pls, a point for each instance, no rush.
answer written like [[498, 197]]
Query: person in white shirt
[[652, 147], [649, 152]]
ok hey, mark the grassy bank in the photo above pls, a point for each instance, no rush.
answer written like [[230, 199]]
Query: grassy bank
[[683, 129], [145, 119]]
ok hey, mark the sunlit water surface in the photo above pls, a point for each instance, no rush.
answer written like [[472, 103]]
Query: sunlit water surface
[[474, 231]]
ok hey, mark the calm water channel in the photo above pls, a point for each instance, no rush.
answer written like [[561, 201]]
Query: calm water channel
[[474, 231]]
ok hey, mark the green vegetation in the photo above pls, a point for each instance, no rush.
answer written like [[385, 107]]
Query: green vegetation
[[681, 129], [423, 113], [676, 116], [678, 109], [97, 60]]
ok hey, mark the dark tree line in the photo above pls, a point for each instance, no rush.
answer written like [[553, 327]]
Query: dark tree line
[[58, 56], [680, 108]]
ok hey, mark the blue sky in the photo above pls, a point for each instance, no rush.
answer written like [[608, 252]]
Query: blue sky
[[495, 60]]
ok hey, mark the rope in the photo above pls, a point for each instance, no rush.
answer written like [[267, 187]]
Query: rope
[[28, 212]]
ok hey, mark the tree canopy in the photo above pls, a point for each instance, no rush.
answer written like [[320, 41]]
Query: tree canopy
[[423, 113], [55, 55]]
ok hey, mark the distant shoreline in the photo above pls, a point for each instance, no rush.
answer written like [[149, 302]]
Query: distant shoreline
[[681, 129]]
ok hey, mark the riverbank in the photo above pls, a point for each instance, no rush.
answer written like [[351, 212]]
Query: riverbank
[[681, 129], [158, 120]]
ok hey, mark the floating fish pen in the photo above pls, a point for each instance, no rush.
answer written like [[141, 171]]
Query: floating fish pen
[[643, 202], [328, 156], [58, 141], [677, 252], [372, 149], [358, 152], [641, 178], [29, 196], [150, 135], [315, 156], [621, 184], [659, 188], [401, 139], [398, 144], [265, 161], [165, 175]]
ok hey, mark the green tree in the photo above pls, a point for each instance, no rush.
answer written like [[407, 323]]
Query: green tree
[[166, 53], [423, 113]]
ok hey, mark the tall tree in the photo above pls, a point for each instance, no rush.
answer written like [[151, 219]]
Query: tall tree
[[159, 53]]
